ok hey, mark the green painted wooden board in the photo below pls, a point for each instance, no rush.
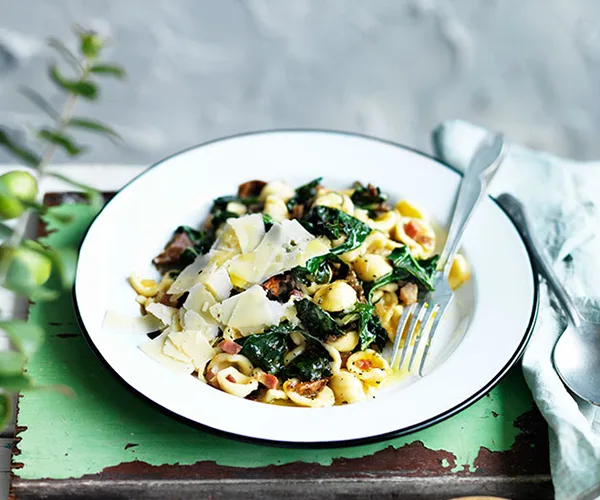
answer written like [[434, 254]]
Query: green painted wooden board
[[104, 427]]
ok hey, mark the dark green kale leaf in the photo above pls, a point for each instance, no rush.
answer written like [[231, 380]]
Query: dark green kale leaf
[[316, 321], [320, 269], [304, 193], [368, 197], [268, 221], [312, 364], [406, 267], [267, 350], [333, 223], [369, 327], [201, 241], [219, 210]]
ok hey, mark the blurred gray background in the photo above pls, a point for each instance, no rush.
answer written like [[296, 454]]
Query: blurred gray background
[[200, 69]]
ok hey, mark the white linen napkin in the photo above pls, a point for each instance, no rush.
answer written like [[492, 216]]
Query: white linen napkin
[[562, 198]]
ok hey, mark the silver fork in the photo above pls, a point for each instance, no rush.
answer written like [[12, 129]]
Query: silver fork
[[474, 185]]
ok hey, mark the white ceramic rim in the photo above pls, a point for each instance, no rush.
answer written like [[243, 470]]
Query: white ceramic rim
[[255, 425]]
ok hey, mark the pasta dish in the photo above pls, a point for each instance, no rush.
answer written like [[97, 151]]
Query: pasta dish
[[289, 296]]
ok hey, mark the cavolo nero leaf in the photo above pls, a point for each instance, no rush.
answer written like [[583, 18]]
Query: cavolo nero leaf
[[318, 269], [219, 210], [407, 267], [333, 223], [201, 240], [367, 197], [304, 193], [316, 321], [369, 327], [405, 264], [313, 364], [267, 350]]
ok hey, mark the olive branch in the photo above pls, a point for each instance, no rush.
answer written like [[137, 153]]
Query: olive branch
[[26, 265]]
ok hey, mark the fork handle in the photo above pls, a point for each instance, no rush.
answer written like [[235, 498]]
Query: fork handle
[[517, 214], [473, 187]]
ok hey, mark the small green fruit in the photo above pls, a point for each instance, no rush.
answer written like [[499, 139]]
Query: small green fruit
[[15, 187], [91, 44], [26, 269]]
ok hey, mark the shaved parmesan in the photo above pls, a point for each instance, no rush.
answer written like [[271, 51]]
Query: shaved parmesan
[[154, 349], [250, 311], [114, 321], [195, 345], [216, 280], [194, 322], [249, 231], [189, 276], [170, 349], [283, 247], [200, 300], [162, 312]]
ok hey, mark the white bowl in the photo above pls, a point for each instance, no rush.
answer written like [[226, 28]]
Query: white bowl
[[482, 338]]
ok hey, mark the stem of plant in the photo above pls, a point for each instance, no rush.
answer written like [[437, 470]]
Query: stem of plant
[[65, 117]]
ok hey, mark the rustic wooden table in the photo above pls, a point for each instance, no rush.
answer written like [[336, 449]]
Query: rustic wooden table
[[108, 443]]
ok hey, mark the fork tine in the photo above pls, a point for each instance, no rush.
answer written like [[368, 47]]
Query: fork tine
[[436, 322], [399, 332], [411, 331], [422, 331]]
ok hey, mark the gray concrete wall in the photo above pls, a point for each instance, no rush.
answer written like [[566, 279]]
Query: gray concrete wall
[[200, 69]]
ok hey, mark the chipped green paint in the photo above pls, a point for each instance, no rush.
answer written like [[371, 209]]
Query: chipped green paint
[[72, 437]]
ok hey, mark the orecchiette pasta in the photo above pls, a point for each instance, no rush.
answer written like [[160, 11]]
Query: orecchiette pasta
[[339, 296], [289, 296], [276, 208], [234, 382], [459, 272], [410, 209], [222, 361], [368, 366], [347, 387], [311, 394], [344, 343], [144, 287], [371, 267]]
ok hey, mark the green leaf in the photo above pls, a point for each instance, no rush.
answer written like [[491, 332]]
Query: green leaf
[[66, 54], [370, 329], [313, 364], [15, 383], [26, 337], [94, 126], [333, 223], [267, 350], [5, 231], [94, 196], [64, 263], [85, 89], [62, 140], [109, 70], [367, 197], [40, 101], [5, 410], [405, 265], [304, 193], [21, 152], [316, 321], [11, 362]]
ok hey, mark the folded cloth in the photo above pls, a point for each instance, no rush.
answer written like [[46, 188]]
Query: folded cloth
[[562, 198]]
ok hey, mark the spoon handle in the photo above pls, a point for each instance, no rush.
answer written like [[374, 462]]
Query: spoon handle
[[516, 212]]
